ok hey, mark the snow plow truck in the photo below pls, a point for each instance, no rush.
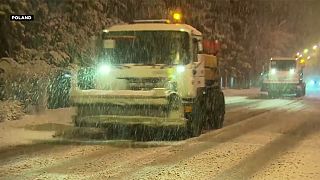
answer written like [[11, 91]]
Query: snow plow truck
[[150, 73], [284, 77]]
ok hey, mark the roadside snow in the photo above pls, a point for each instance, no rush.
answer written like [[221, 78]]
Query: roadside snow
[[240, 95], [242, 92], [10, 110], [21, 132]]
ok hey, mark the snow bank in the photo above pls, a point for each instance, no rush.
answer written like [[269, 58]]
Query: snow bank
[[27, 83]]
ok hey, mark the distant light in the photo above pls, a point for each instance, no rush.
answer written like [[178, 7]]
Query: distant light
[[298, 53], [309, 57], [300, 56], [67, 75], [104, 69], [305, 51], [312, 82], [302, 61], [177, 16], [315, 47], [181, 68], [291, 71], [273, 71], [182, 30]]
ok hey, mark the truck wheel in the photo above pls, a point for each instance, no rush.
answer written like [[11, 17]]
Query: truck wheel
[[300, 90], [198, 116], [270, 94], [299, 93], [210, 109]]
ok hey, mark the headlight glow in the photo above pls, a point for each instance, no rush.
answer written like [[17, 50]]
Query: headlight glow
[[273, 71], [291, 71], [104, 69], [312, 82], [181, 68], [67, 75]]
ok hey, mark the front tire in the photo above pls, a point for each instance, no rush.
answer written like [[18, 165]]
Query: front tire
[[198, 116], [215, 109]]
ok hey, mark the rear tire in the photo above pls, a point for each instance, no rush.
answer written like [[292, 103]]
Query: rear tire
[[271, 94], [219, 111], [299, 93]]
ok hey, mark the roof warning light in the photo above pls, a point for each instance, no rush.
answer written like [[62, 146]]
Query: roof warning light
[[177, 16]]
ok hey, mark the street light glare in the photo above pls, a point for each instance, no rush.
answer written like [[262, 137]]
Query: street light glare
[[306, 51], [315, 47], [177, 16]]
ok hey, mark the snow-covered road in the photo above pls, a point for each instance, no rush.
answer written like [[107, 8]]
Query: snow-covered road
[[262, 139]]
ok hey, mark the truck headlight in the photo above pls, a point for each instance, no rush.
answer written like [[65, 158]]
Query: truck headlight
[[181, 68], [104, 69], [312, 82], [291, 71], [67, 75], [273, 71]]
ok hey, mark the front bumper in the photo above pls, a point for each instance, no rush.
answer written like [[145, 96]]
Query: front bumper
[[97, 108]]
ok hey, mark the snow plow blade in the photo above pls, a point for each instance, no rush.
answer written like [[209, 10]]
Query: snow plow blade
[[144, 115], [130, 125]]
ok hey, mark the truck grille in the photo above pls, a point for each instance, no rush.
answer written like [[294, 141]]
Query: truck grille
[[145, 83]]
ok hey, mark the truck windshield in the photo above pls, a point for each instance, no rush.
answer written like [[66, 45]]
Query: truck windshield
[[283, 65], [147, 47]]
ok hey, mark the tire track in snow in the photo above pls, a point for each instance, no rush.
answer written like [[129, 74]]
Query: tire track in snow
[[206, 141], [256, 161], [210, 140]]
